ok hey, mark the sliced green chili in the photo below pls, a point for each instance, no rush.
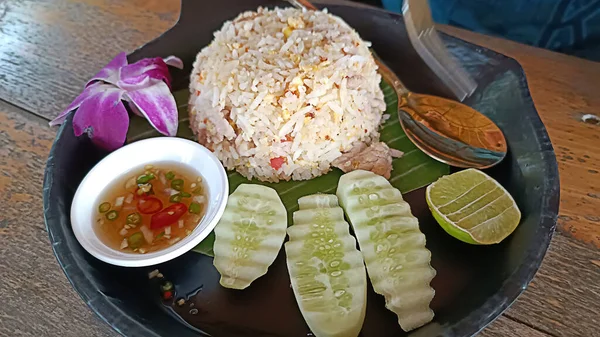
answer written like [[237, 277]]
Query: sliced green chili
[[184, 194], [104, 207], [136, 240], [175, 198], [177, 184], [166, 290], [134, 219], [170, 175], [166, 286], [195, 208], [112, 215], [145, 178]]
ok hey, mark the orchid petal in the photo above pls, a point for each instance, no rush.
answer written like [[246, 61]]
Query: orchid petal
[[104, 116], [158, 106], [144, 73], [110, 73], [173, 61], [87, 93]]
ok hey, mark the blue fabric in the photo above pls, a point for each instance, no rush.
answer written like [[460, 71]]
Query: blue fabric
[[568, 26]]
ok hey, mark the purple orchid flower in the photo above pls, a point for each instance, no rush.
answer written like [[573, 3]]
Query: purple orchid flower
[[145, 85]]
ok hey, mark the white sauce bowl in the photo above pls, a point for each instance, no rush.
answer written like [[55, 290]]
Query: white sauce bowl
[[154, 151]]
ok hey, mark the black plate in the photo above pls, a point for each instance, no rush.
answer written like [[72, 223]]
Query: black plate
[[474, 283]]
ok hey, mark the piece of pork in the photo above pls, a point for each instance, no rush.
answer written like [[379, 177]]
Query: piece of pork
[[376, 158]]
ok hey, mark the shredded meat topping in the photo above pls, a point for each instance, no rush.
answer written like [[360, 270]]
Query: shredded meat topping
[[376, 158]]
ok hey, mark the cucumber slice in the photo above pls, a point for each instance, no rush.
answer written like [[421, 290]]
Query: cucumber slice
[[392, 245], [249, 235], [326, 270]]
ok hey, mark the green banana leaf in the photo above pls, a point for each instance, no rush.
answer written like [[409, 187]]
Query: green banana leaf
[[413, 171]]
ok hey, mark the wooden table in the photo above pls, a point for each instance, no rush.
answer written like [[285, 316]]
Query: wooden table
[[48, 50]]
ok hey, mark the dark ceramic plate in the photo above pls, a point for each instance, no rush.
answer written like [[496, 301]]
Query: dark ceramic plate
[[474, 284]]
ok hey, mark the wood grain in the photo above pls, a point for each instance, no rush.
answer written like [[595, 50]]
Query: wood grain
[[37, 300], [40, 40], [563, 88], [563, 299], [50, 48], [504, 327]]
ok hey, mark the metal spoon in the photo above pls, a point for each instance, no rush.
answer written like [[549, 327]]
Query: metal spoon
[[446, 130]]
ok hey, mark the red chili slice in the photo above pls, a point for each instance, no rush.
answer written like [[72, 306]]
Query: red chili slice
[[149, 205], [277, 162], [168, 216]]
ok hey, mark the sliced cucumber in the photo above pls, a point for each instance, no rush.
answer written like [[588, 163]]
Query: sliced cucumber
[[249, 235], [326, 270], [392, 245]]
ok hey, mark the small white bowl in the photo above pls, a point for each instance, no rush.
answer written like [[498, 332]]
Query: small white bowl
[[153, 151]]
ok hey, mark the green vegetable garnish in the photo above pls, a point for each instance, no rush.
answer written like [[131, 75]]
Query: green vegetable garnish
[[195, 208], [104, 207], [170, 175], [112, 215], [166, 286], [134, 219], [383, 221], [160, 235], [135, 240], [175, 198], [166, 290], [145, 178], [254, 222], [184, 194], [177, 184]]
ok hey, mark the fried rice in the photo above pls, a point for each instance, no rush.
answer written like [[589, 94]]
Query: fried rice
[[281, 93]]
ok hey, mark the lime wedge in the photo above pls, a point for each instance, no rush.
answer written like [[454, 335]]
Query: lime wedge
[[472, 207]]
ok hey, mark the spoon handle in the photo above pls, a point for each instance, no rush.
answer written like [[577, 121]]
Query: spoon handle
[[390, 77], [303, 4]]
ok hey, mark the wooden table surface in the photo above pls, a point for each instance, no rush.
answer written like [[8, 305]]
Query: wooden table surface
[[49, 48]]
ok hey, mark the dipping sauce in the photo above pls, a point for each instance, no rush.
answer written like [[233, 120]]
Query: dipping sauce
[[150, 209]]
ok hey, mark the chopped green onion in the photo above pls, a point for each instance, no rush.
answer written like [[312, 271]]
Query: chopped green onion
[[175, 198], [104, 207], [136, 240], [166, 286], [134, 218], [170, 175], [197, 191], [184, 194], [195, 208], [177, 184], [112, 215], [160, 235], [166, 290], [145, 178]]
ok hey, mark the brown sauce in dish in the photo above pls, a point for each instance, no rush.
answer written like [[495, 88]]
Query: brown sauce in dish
[[150, 209]]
